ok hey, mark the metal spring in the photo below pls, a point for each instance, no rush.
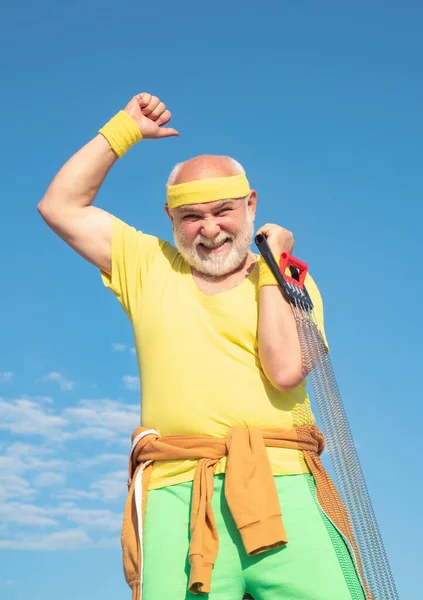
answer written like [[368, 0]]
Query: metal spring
[[343, 455]]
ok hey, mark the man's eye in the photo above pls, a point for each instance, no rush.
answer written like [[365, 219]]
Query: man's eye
[[224, 210], [190, 217]]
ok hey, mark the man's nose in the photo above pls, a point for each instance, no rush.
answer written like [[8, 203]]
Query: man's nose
[[210, 228]]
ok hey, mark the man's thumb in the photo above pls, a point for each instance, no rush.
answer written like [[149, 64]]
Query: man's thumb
[[167, 132]]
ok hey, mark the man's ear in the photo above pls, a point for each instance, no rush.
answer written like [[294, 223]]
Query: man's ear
[[252, 204], [168, 211]]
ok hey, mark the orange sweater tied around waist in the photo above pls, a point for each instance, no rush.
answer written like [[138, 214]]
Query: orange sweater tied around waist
[[250, 492]]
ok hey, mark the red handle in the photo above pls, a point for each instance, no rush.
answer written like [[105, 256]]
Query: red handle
[[286, 260]]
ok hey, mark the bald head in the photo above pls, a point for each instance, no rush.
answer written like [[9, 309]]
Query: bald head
[[206, 166], [214, 234]]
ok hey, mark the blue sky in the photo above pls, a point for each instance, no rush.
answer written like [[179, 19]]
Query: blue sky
[[321, 102]]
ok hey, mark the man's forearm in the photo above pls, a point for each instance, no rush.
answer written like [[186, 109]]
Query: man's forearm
[[66, 205], [80, 178], [278, 342]]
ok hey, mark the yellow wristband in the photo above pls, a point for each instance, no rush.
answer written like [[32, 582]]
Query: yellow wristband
[[121, 132], [266, 276]]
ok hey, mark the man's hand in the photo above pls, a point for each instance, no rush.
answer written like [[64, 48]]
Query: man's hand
[[279, 239], [150, 114]]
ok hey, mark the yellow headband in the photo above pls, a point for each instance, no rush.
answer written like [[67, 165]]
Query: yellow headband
[[207, 190]]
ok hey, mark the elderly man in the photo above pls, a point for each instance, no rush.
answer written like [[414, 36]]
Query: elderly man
[[219, 353]]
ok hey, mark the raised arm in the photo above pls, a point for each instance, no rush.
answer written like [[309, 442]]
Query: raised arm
[[67, 204]]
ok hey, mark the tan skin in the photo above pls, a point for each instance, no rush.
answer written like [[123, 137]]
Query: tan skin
[[67, 207], [210, 219]]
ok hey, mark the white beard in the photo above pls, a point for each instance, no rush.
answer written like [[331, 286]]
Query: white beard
[[222, 263]]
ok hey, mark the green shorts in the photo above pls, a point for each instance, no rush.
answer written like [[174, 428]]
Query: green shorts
[[315, 564]]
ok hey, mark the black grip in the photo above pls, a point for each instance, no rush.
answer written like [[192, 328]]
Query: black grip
[[293, 294], [265, 251]]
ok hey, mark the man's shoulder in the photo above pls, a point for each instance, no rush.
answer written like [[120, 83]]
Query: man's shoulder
[[140, 237], [145, 249], [159, 250]]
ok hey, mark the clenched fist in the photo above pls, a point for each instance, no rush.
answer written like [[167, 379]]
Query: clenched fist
[[150, 114], [279, 239]]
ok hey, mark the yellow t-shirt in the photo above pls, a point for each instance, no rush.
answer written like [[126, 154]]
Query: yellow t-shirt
[[197, 354]]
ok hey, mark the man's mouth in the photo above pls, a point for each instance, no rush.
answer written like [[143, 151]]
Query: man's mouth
[[212, 248]]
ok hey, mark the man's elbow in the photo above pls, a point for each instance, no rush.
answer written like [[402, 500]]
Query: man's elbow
[[288, 379], [44, 209], [54, 213]]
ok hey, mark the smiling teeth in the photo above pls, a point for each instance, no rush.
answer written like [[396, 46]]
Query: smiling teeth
[[214, 247]]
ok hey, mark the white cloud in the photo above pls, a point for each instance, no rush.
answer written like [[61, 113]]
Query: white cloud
[[119, 347], [65, 384], [102, 419], [23, 457], [33, 493], [49, 479], [25, 514], [130, 382], [94, 433], [14, 486], [11, 464], [102, 519], [30, 472], [100, 459], [108, 487], [112, 486], [25, 417], [6, 376], [25, 450], [106, 414], [73, 494], [122, 348], [17, 460], [125, 442], [45, 399], [72, 539]]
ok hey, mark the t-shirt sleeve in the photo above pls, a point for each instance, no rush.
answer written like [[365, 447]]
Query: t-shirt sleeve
[[316, 298], [133, 253]]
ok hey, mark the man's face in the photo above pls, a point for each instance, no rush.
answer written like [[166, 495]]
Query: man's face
[[215, 237]]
